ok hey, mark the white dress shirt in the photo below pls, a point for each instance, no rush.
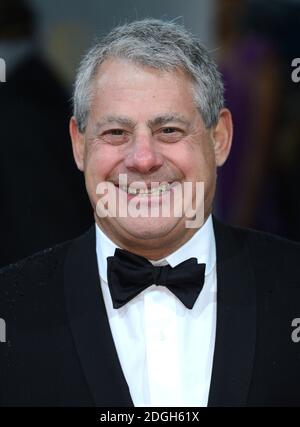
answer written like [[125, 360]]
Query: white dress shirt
[[165, 349]]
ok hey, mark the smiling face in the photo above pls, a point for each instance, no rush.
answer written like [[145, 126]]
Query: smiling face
[[144, 123]]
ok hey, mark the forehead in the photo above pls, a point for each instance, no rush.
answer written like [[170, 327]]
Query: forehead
[[124, 70], [123, 84]]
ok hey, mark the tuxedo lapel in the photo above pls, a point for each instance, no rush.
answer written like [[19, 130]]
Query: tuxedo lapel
[[90, 326], [236, 320]]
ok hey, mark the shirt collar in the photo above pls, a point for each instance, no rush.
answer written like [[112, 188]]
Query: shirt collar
[[201, 246]]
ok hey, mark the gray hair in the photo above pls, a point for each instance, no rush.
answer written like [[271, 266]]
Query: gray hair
[[157, 44]]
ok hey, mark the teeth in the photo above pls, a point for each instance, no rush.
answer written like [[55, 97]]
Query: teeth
[[132, 190], [123, 188], [143, 191]]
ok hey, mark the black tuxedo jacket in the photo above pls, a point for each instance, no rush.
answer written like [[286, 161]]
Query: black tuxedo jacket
[[59, 350]]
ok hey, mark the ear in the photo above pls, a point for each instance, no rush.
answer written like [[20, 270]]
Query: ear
[[78, 143], [222, 136]]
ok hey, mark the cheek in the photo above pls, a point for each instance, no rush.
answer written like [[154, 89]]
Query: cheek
[[99, 163], [196, 161], [204, 158]]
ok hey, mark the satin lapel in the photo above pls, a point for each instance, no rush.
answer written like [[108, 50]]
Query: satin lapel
[[90, 326], [236, 320]]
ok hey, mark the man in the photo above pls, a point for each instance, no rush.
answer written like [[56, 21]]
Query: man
[[152, 310]]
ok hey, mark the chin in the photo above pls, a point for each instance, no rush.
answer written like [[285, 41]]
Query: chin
[[149, 228]]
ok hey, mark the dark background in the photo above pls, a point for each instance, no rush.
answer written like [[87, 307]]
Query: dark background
[[42, 195]]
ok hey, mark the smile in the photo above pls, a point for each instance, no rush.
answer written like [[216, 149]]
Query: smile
[[142, 191]]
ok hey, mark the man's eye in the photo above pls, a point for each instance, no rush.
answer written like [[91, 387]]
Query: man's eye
[[116, 132], [169, 130], [170, 134], [115, 136]]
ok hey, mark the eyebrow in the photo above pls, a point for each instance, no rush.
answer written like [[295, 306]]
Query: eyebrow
[[167, 118], [121, 120], [156, 121]]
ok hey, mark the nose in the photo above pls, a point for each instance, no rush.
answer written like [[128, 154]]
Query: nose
[[143, 156]]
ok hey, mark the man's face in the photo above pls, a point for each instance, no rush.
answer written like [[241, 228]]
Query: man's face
[[144, 123]]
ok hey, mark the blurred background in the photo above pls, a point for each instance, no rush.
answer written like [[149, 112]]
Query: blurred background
[[42, 195]]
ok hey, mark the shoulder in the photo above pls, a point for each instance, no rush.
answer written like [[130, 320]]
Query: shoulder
[[268, 246], [271, 256], [36, 266], [258, 240], [32, 283]]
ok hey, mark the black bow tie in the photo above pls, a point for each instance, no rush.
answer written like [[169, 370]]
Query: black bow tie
[[129, 274]]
